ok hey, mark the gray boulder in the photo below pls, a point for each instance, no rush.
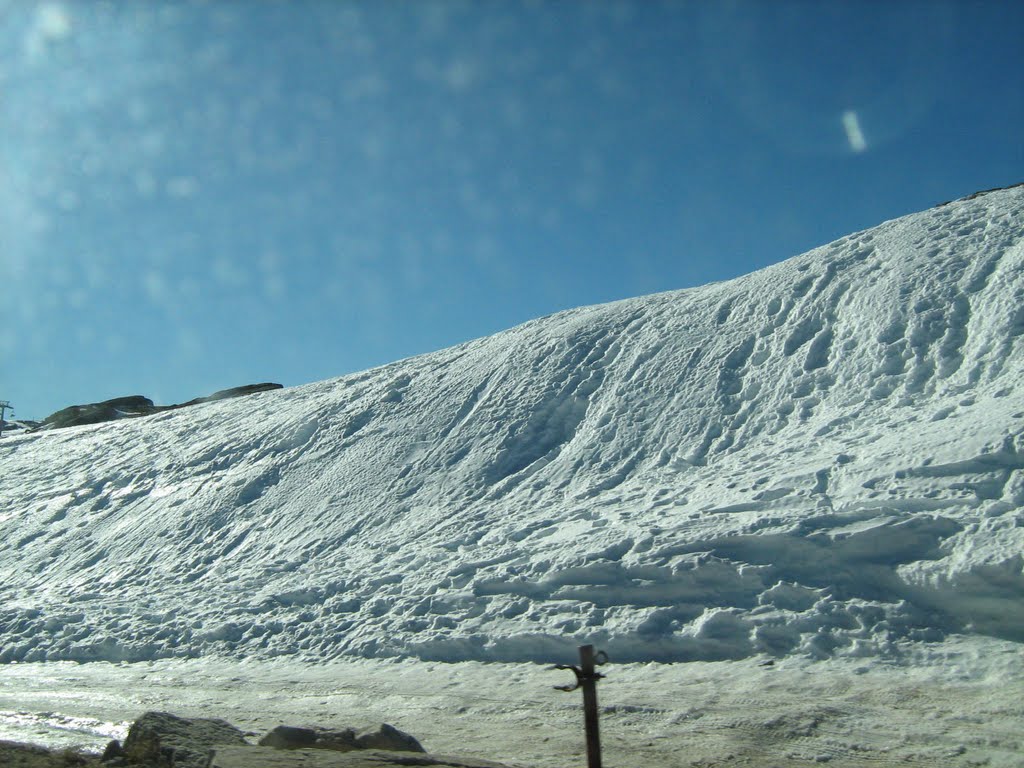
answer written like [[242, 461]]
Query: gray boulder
[[291, 737], [384, 737], [163, 740], [389, 738]]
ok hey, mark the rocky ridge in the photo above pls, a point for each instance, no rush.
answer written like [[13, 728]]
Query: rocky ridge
[[131, 407]]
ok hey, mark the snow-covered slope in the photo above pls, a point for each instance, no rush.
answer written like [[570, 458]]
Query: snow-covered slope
[[824, 457]]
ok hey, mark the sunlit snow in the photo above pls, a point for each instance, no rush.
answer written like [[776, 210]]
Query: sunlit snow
[[821, 461]]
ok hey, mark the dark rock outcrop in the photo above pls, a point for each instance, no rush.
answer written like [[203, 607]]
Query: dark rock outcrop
[[387, 737], [981, 192], [291, 737], [16, 755], [134, 406], [95, 413], [227, 394], [384, 737]]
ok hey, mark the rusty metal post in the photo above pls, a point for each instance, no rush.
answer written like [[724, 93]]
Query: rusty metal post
[[586, 678]]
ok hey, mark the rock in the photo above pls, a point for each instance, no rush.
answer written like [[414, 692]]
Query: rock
[[96, 413], [163, 740], [15, 755], [225, 394], [384, 737], [113, 751], [132, 407], [268, 757], [290, 737], [388, 737]]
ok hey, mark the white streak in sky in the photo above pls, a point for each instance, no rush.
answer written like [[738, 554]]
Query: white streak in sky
[[851, 124]]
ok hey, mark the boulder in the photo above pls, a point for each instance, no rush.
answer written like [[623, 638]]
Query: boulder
[[389, 738], [163, 740], [114, 751], [291, 737], [383, 737]]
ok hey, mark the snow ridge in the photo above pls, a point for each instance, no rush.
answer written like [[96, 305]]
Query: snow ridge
[[824, 457]]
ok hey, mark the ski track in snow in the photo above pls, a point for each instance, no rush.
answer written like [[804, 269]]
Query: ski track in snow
[[824, 457]]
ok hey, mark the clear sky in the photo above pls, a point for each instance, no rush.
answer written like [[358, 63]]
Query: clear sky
[[199, 195]]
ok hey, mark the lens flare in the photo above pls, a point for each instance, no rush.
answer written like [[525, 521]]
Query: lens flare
[[854, 134]]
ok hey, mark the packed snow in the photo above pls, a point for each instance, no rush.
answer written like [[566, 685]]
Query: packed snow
[[821, 463]]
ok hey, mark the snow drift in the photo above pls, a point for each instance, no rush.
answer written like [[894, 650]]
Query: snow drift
[[824, 457]]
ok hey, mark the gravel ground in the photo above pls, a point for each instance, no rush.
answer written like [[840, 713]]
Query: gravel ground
[[957, 704]]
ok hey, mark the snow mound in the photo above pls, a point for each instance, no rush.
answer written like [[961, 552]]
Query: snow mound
[[825, 457]]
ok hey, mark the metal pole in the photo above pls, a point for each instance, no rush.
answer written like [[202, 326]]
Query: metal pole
[[586, 678], [589, 685], [4, 405]]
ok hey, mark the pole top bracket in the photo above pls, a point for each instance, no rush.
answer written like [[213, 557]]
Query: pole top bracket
[[582, 675]]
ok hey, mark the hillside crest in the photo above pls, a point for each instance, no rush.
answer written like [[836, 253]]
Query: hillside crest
[[823, 457]]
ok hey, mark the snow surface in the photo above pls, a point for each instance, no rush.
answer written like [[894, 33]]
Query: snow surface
[[822, 457], [820, 460]]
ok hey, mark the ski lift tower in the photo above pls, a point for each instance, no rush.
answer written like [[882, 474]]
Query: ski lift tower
[[4, 405]]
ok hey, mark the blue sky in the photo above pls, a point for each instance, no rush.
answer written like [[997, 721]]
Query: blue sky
[[195, 196]]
